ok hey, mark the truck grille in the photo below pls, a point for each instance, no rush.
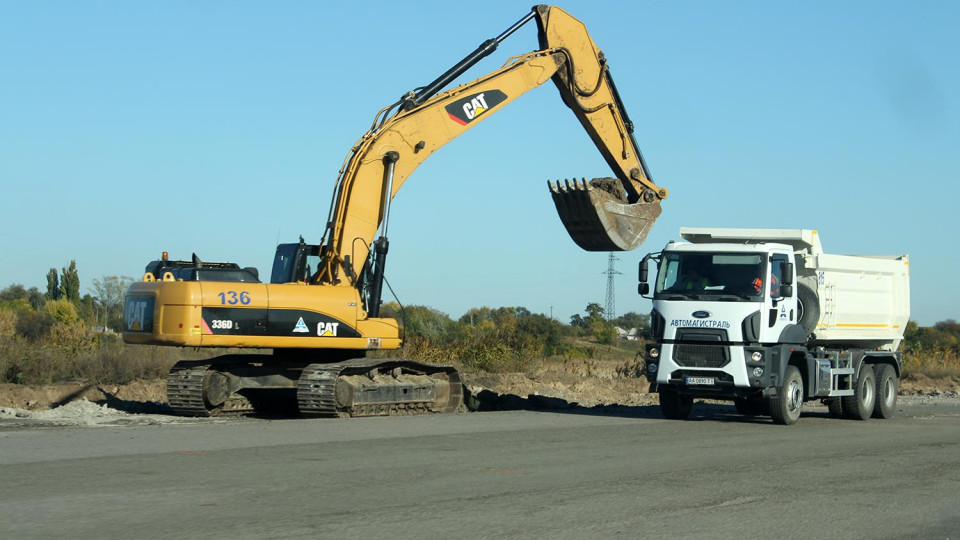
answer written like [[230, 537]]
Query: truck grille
[[701, 356]]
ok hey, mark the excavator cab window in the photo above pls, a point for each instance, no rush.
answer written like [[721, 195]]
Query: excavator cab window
[[295, 262]]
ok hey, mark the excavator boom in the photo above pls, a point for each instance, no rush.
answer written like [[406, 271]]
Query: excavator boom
[[605, 214]]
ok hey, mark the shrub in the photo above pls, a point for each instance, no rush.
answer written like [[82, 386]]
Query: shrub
[[62, 311]]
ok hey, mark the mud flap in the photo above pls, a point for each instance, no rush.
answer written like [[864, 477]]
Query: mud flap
[[598, 219]]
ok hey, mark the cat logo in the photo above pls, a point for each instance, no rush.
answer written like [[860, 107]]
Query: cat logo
[[327, 329], [469, 108], [301, 327], [138, 314]]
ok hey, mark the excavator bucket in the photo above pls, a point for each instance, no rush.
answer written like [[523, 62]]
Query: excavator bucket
[[598, 216]]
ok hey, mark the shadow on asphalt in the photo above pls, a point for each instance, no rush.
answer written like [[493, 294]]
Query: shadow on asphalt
[[488, 401], [134, 407]]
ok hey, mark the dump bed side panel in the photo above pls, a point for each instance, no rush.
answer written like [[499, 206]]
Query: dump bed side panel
[[864, 300]]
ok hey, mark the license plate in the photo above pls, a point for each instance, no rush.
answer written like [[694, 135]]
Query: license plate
[[701, 380]]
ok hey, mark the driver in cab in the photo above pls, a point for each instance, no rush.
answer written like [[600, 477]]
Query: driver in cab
[[691, 279]]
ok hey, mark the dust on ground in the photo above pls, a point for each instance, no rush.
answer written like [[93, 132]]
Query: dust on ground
[[554, 385]]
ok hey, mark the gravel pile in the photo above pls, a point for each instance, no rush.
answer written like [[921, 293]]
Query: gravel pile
[[84, 413]]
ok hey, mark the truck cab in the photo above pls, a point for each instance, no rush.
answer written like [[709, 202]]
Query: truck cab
[[716, 306]]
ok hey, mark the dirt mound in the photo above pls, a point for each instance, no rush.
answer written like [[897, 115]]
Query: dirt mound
[[571, 388], [918, 384], [135, 395]]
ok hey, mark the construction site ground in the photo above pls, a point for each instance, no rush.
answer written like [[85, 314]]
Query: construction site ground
[[582, 384]]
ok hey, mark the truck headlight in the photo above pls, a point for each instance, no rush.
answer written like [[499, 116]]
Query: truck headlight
[[654, 353], [756, 356], [651, 368], [757, 371]]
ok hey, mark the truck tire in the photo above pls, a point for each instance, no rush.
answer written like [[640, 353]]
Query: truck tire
[[808, 308], [835, 406], [887, 386], [859, 406], [673, 405], [785, 406]]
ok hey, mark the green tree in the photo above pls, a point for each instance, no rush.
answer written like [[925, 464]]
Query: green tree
[[604, 333], [70, 283], [62, 311], [577, 321], [13, 292], [54, 292], [594, 313], [108, 293], [36, 298], [426, 322], [88, 309]]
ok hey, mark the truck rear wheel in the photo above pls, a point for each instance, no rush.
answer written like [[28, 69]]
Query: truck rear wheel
[[859, 406], [887, 386], [835, 406], [786, 405], [673, 405]]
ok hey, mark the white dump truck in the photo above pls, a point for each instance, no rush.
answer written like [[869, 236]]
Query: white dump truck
[[765, 318]]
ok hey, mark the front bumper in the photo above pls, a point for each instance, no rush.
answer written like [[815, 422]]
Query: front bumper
[[747, 370]]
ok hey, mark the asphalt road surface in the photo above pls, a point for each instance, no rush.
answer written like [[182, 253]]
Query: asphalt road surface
[[574, 474]]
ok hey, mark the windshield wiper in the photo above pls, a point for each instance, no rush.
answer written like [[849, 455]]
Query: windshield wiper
[[733, 297], [677, 295]]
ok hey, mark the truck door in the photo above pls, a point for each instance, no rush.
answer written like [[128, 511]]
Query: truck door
[[781, 309]]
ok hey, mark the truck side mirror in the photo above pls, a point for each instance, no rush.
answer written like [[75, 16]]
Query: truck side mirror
[[786, 291], [643, 288], [787, 277], [643, 268]]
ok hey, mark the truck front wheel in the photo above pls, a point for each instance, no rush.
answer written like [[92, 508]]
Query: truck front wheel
[[859, 406], [673, 405], [887, 384], [786, 405]]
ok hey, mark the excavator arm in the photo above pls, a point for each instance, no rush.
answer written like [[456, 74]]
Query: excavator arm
[[602, 215]]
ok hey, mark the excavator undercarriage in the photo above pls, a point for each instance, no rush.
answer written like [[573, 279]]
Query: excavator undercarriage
[[242, 384]]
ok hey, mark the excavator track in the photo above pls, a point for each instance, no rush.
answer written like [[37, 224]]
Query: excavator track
[[185, 388], [378, 387], [185, 391]]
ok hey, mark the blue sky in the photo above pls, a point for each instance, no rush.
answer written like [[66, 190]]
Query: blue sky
[[130, 128]]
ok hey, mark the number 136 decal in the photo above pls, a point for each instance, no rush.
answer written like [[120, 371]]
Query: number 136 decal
[[233, 298]]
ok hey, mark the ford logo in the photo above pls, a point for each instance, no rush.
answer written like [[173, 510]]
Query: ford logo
[[701, 314]]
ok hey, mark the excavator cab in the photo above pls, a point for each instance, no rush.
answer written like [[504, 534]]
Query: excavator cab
[[294, 263]]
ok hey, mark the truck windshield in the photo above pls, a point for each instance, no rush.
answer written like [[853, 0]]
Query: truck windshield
[[726, 276]]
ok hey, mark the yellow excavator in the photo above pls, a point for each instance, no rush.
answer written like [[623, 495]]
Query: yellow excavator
[[320, 312]]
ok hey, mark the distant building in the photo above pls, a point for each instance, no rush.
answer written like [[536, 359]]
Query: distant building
[[629, 335], [104, 329]]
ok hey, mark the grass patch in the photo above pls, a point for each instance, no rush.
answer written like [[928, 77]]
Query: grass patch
[[933, 362]]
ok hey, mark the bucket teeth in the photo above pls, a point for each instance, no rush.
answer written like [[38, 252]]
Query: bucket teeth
[[598, 217]]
